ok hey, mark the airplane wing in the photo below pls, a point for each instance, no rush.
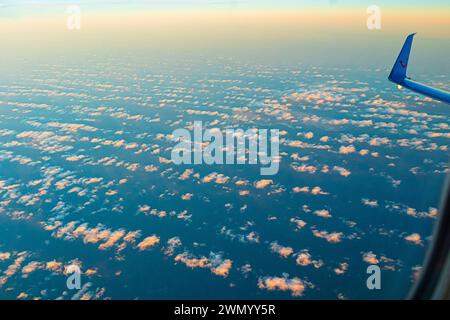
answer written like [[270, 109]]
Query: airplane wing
[[398, 75]]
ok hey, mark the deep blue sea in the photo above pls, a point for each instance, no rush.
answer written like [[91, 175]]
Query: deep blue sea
[[86, 179]]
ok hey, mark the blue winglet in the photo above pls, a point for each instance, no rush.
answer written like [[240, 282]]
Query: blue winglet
[[398, 73]]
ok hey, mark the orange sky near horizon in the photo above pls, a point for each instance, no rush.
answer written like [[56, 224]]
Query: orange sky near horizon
[[202, 30]]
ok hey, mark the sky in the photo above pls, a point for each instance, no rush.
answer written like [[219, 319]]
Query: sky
[[248, 3], [266, 30]]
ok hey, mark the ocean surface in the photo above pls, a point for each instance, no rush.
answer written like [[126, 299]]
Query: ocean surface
[[86, 179]]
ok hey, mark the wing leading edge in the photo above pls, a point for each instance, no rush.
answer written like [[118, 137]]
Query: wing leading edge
[[398, 75]]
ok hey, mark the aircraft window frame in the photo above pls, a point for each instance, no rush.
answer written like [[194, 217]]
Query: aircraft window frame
[[434, 282]]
